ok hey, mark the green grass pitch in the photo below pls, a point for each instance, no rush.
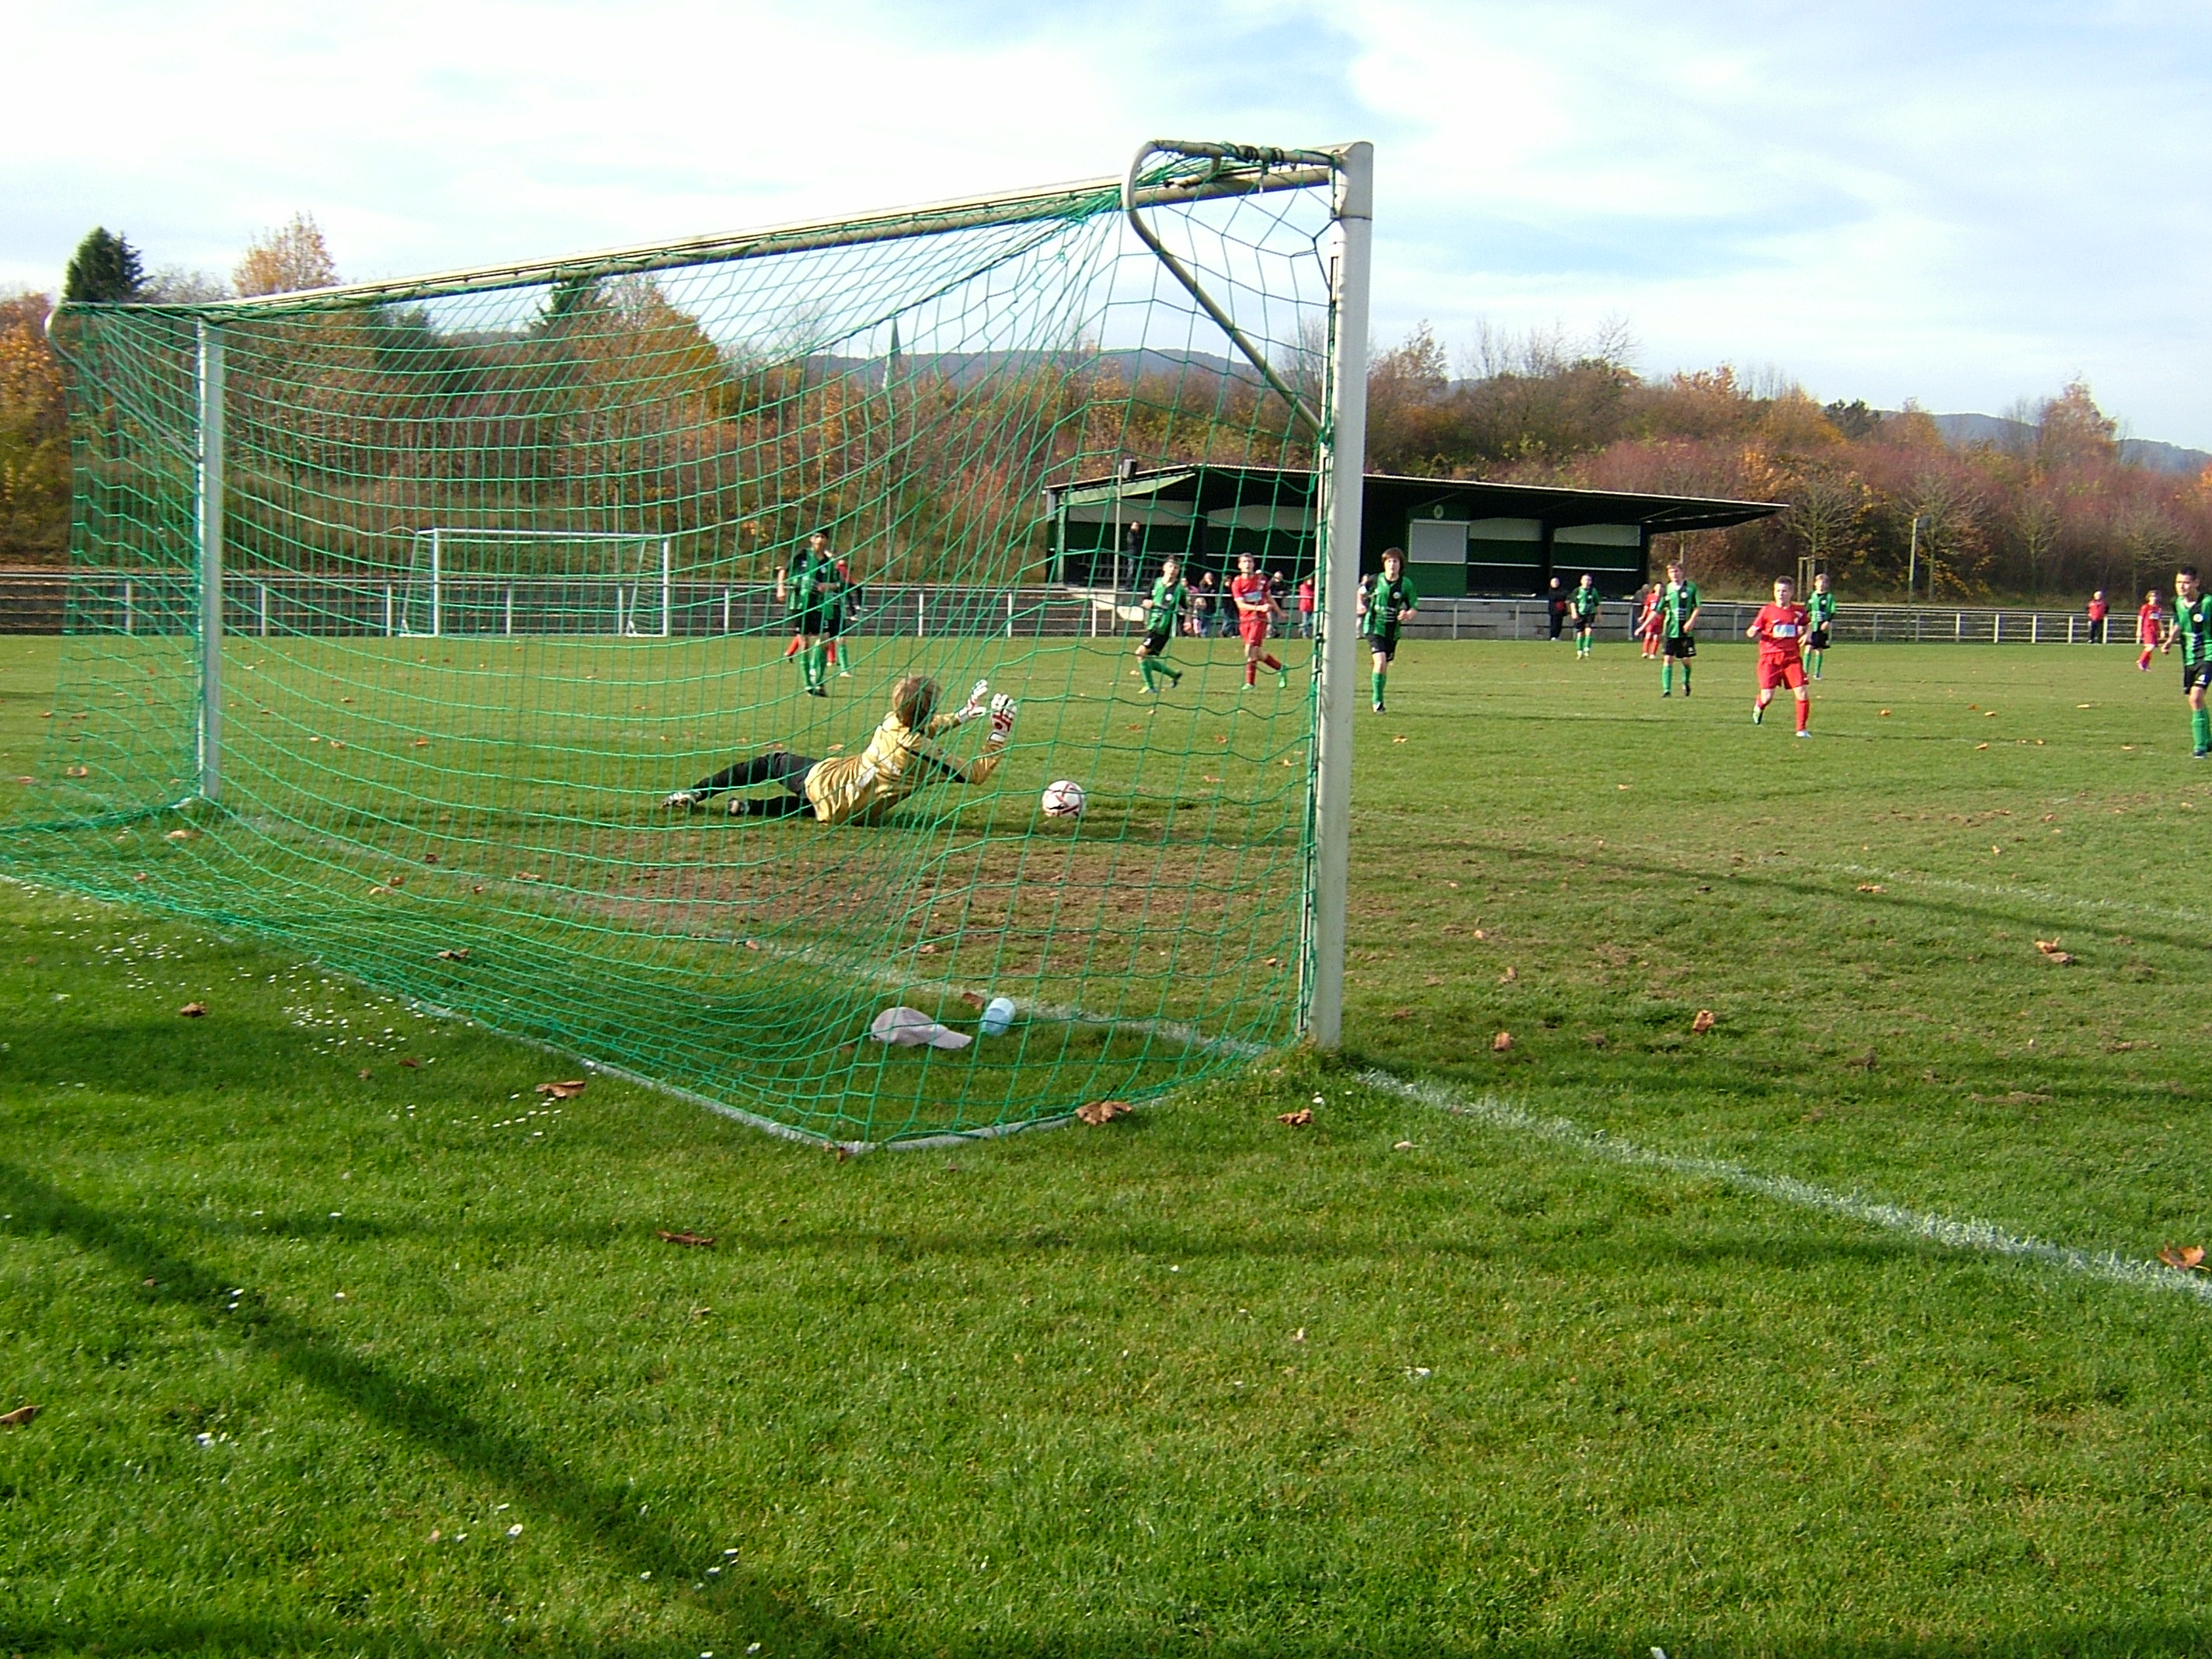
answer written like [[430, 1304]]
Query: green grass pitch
[[397, 1365]]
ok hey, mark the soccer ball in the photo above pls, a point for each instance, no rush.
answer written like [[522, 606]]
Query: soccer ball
[[1063, 799]]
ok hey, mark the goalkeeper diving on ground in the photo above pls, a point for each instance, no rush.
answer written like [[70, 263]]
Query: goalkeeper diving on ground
[[902, 757]]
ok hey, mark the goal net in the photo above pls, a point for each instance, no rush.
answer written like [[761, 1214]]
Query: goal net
[[462, 609]]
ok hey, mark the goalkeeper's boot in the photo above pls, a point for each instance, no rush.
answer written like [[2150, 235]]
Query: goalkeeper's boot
[[684, 800], [817, 690]]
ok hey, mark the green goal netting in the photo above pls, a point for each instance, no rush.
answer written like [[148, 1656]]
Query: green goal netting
[[398, 613]]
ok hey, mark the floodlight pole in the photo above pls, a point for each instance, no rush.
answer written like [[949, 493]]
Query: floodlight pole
[[1343, 486], [208, 527]]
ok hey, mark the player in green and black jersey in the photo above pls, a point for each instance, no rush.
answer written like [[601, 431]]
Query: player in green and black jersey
[[1678, 621], [1164, 607], [810, 587], [2191, 626], [1389, 601], [1583, 603], [1820, 614]]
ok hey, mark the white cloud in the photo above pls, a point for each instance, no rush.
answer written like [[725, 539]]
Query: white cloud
[[1964, 204]]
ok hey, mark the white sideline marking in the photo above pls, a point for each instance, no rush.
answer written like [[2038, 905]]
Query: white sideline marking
[[2029, 895], [1979, 1237]]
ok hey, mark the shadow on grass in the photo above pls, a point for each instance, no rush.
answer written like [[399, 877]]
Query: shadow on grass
[[435, 1417]]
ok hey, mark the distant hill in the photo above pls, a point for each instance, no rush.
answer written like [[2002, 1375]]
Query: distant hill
[[1995, 429]]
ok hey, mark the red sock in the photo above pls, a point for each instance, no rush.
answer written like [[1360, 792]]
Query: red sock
[[1804, 712], [792, 650], [1272, 664], [832, 648], [1251, 673]]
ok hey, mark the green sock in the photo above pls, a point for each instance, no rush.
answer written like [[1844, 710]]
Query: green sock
[[1379, 679], [1686, 678], [1817, 655], [2200, 722], [817, 665], [1174, 674], [1667, 674], [1145, 669]]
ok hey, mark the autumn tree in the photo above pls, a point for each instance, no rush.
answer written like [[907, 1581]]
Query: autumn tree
[[105, 269], [286, 260], [34, 459]]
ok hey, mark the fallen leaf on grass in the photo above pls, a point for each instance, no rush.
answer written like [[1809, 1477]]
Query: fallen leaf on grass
[[929, 949], [192, 1011], [973, 998], [429, 858], [1103, 1111], [1401, 1013], [411, 1062], [2187, 1257], [1433, 978], [1297, 1119], [1207, 777], [422, 743], [461, 954], [1508, 976], [1479, 934], [1704, 1022], [568, 1089], [1597, 1039], [1989, 713], [528, 875], [1870, 887], [752, 945], [1272, 962], [1885, 713], [181, 834], [1981, 745], [2050, 949], [696, 1241], [22, 1415], [1400, 739], [76, 771], [1501, 1042], [140, 876], [363, 1074]]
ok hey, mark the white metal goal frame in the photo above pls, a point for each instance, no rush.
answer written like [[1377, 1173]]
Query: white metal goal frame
[[1201, 172], [428, 555]]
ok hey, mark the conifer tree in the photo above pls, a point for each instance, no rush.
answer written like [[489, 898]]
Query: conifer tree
[[104, 269]]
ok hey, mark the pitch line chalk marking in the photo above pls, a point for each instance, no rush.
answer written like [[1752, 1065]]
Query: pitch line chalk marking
[[1978, 1236]]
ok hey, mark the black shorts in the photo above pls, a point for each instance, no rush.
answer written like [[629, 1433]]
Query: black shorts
[[1817, 640], [1584, 624], [1679, 645], [814, 620], [1384, 646], [2194, 674], [1155, 642]]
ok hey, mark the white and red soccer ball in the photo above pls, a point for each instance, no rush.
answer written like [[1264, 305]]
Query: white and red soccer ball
[[1063, 799]]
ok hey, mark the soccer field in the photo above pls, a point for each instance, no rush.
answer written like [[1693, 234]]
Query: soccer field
[[1836, 1329]]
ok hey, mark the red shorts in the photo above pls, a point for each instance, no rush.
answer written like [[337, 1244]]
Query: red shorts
[[1775, 672], [1253, 626]]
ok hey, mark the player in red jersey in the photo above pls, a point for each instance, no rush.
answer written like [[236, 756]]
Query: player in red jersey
[[2150, 627], [1780, 630], [1647, 626], [1256, 608]]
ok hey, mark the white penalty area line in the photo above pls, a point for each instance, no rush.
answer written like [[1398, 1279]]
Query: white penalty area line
[[2037, 895], [1979, 1237]]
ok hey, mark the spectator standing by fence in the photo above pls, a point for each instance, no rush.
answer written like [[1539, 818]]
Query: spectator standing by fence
[[2098, 610], [1305, 606]]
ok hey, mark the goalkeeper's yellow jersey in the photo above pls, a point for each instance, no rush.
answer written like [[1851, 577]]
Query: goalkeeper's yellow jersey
[[898, 760]]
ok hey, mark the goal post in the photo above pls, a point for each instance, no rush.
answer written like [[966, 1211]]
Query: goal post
[[538, 570]]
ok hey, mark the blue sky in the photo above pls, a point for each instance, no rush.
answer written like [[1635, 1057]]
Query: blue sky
[[1964, 204]]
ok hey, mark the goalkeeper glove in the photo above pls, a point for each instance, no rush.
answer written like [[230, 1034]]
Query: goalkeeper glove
[[1003, 709], [973, 708]]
